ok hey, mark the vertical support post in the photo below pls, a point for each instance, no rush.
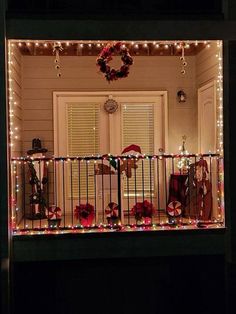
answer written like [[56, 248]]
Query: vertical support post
[[5, 235], [119, 188]]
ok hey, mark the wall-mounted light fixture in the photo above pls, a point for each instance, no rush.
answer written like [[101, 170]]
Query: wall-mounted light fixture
[[181, 96]]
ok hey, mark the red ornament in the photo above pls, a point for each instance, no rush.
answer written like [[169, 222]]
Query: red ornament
[[106, 56]]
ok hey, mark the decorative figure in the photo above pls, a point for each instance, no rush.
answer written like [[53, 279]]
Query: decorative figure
[[184, 162], [181, 96], [112, 213], [130, 163], [110, 105], [177, 197], [182, 58], [57, 47], [54, 216], [174, 209], [126, 166], [199, 191], [38, 179]]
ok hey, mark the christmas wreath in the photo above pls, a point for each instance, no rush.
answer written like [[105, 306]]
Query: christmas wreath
[[106, 56]]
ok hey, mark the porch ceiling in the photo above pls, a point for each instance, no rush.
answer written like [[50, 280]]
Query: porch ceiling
[[93, 48]]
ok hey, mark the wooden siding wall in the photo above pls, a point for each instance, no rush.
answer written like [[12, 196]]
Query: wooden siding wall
[[81, 74], [16, 83], [207, 65]]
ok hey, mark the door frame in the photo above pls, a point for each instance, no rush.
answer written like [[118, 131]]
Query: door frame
[[200, 90], [58, 94]]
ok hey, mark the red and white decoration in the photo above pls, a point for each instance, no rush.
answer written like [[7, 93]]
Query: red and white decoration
[[174, 209], [112, 210], [54, 213]]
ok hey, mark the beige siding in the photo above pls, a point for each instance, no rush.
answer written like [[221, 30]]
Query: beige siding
[[207, 65], [81, 74]]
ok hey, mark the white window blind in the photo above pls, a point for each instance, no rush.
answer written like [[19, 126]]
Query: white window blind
[[82, 140], [138, 128]]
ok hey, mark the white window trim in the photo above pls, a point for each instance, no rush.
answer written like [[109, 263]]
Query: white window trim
[[57, 95]]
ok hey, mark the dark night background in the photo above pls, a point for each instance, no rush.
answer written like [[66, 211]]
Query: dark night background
[[183, 284]]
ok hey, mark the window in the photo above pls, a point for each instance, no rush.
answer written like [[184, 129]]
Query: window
[[138, 128], [82, 140]]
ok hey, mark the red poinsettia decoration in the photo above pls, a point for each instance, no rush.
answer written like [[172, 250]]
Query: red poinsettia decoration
[[85, 214], [143, 209], [106, 56]]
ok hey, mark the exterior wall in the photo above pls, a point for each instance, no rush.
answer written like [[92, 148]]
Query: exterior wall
[[206, 65], [16, 85], [81, 74]]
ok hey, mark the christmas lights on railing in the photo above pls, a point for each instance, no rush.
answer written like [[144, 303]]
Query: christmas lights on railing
[[163, 226], [108, 157]]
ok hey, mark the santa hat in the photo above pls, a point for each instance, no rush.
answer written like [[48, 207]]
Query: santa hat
[[131, 149]]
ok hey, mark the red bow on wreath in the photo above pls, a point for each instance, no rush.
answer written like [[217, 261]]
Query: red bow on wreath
[[54, 213]]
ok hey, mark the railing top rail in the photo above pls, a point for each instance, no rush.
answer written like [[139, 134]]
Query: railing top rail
[[114, 157]]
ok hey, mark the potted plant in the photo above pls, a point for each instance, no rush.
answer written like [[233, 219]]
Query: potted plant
[[85, 214], [143, 212]]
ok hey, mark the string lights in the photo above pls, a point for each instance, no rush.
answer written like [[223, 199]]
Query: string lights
[[220, 143], [82, 44], [14, 129], [40, 227], [219, 89], [13, 99]]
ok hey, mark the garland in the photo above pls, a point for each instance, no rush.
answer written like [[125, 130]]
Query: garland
[[106, 56]]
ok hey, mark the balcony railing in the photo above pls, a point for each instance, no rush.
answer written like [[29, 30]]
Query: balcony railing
[[122, 193]]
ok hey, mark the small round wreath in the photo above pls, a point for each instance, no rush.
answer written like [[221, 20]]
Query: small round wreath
[[106, 56]]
